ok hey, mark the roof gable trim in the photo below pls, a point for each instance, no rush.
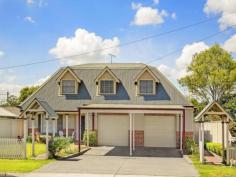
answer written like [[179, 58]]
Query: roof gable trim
[[68, 69], [106, 69], [147, 69]]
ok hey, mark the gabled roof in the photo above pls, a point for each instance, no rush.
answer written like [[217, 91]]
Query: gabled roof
[[167, 93], [106, 69], [208, 111], [68, 69], [45, 106], [147, 69]]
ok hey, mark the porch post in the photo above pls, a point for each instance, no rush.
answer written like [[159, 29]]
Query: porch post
[[87, 121], [133, 132], [25, 128], [54, 127], [25, 134], [227, 141], [47, 119], [181, 130], [78, 129], [33, 135], [223, 138], [130, 134], [66, 125], [201, 142]]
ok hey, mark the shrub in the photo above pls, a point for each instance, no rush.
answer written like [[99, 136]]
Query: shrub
[[214, 147], [191, 146], [57, 144], [29, 139], [92, 138]]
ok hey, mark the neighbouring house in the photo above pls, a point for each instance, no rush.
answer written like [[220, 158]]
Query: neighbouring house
[[111, 99], [10, 124]]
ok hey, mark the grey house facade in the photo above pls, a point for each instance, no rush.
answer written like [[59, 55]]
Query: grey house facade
[[125, 104]]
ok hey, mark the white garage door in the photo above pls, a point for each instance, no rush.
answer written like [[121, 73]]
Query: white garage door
[[159, 131], [113, 130]]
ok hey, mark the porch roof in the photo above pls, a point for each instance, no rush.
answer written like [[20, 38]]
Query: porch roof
[[125, 108], [47, 108]]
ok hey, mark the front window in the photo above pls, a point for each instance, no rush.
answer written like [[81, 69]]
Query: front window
[[68, 87], [106, 87], [146, 87]]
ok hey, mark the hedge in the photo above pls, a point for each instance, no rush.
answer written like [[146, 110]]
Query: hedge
[[214, 147]]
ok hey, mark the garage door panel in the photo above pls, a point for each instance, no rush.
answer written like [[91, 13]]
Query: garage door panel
[[159, 131], [113, 130]]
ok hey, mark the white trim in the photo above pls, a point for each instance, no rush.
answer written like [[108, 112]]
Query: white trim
[[107, 69], [68, 69], [75, 87]]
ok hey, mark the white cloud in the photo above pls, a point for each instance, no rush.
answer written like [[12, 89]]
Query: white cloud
[[183, 61], [227, 10], [1, 54], [173, 15], [149, 16], [29, 19], [156, 1], [230, 44], [41, 81], [136, 5], [84, 42], [30, 2]]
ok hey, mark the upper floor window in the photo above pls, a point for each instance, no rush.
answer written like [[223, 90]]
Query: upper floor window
[[68, 86], [107, 87], [146, 87]]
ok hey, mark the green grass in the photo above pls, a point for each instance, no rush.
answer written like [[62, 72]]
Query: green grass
[[39, 149], [21, 166], [212, 170], [28, 165]]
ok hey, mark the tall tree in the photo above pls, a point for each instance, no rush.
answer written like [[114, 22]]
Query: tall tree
[[25, 92], [211, 74]]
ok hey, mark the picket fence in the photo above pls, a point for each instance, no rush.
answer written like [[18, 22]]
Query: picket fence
[[232, 156], [12, 148]]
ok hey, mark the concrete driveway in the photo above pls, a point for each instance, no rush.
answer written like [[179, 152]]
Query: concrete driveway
[[98, 162]]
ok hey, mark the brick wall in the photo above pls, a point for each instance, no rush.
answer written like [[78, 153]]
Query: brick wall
[[187, 134]]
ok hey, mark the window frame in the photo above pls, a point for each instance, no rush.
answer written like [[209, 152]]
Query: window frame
[[114, 87], [153, 87], [75, 87]]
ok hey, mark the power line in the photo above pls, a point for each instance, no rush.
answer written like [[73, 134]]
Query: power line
[[178, 50], [115, 46]]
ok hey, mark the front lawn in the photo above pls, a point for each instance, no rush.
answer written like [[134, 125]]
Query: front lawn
[[21, 166], [28, 165], [40, 148], [212, 170]]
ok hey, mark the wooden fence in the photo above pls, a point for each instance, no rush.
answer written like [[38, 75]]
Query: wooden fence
[[232, 156], [12, 148]]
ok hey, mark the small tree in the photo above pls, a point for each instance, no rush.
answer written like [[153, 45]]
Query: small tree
[[25, 92], [211, 75], [12, 100]]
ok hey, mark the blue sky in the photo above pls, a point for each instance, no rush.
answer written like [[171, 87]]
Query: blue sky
[[30, 30]]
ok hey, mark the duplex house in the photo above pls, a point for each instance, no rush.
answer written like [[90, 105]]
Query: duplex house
[[130, 104]]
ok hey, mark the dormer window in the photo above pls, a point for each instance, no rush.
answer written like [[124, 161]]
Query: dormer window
[[106, 82], [68, 82], [107, 87], [146, 87], [146, 82], [68, 87]]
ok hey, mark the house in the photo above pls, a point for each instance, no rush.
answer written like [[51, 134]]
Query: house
[[10, 124], [111, 99]]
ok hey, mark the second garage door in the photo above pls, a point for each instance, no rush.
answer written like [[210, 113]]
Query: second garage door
[[159, 131], [113, 130]]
